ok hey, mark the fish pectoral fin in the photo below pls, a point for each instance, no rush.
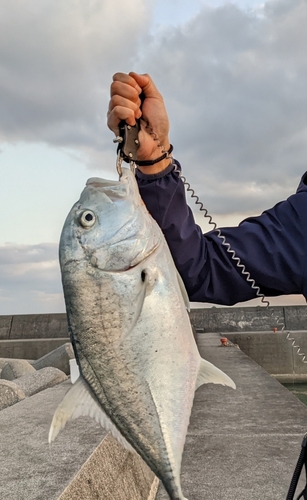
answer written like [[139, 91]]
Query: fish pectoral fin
[[147, 285], [210, 374], [79, 402]]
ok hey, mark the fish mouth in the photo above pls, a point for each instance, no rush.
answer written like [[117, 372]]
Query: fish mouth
[[101, 183], [113, 189]]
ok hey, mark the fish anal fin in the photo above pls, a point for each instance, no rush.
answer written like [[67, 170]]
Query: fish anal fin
[[79, 402], [210, 374]]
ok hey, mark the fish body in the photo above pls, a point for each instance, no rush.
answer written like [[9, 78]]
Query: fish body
[[127, 314]]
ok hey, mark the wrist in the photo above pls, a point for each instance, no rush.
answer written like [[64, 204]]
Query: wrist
[[156, 168], [157, 161]]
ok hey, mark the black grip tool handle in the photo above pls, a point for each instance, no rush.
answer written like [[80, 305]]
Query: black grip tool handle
[[128, 141]]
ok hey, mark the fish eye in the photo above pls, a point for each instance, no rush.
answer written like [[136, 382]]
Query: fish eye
[[87, 218]]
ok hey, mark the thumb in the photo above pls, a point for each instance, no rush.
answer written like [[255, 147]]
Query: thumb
[[147, 85]]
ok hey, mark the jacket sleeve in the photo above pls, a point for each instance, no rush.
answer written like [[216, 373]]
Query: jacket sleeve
[[272, 246]]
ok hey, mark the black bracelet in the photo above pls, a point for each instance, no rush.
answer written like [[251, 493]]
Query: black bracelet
[[148, 163]]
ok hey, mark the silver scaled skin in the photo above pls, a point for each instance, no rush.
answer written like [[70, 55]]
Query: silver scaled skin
[[128, 321]]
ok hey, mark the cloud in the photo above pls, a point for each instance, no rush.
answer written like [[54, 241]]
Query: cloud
[[235, 86], [30, 279], [57, 59], [23, 254], [234, 82]]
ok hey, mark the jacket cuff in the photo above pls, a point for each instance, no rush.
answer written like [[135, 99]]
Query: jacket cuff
[[174, 165]]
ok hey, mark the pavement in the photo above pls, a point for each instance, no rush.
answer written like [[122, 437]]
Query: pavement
[[241, 444]]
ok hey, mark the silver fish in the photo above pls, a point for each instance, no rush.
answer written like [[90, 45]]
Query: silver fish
[[127, 313]]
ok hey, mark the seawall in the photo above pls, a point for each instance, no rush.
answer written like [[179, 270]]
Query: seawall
[[249, 319], [34, 335], [213, 319]]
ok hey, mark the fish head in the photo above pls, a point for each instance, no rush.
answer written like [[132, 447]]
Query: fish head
[[109, 227]]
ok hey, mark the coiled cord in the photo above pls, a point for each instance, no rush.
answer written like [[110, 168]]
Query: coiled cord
[[229, 250], [297, 347], [279, 322]]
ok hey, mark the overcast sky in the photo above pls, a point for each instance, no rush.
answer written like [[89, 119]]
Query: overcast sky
[[233, 75]]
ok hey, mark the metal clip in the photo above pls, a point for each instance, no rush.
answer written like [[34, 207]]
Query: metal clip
[[119, 162], [128, 144]]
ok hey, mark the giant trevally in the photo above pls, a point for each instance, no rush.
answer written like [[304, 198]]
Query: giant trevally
[[127, 314]]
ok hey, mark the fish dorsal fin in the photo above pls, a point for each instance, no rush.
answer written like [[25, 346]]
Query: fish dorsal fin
[[79, 402], [210, 374], [184, 293]]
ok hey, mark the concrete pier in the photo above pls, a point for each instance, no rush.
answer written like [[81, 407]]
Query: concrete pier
[[241, 444]]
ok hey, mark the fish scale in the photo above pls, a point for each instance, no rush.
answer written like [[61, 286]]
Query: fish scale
[[129, 326]]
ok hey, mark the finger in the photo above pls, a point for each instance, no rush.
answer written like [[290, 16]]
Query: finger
[[147, 85], [120, 92], [118, 114], [122, 109], [128, 80], [120, 101]]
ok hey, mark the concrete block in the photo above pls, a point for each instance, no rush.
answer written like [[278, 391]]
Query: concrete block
[[112, 473], [295, 317], [292, 378], [198, 318], [58, 358], [299, 348], [16, 368], [3, 361], [5, 326], [40, 380], [10, 394], [275, 353], [29, 348], [270, 350], [236, 319], [31, 326]]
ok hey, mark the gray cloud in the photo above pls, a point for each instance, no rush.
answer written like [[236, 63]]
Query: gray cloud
[[235, 85], [57, 59], [30, 279], [21, 254], [234, 82]]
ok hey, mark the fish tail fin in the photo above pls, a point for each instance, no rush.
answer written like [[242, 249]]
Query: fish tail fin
[[210, 374]]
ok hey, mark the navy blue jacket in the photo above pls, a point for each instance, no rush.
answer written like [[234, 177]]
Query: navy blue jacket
[[272, 246]]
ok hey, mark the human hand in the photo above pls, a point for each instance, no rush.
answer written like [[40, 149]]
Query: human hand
[[126, 104]]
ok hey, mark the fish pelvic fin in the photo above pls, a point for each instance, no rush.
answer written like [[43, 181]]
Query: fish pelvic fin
[[210, 374], [79, 402]]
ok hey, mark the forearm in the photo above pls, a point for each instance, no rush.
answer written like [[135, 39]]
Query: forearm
[[269, 246]]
